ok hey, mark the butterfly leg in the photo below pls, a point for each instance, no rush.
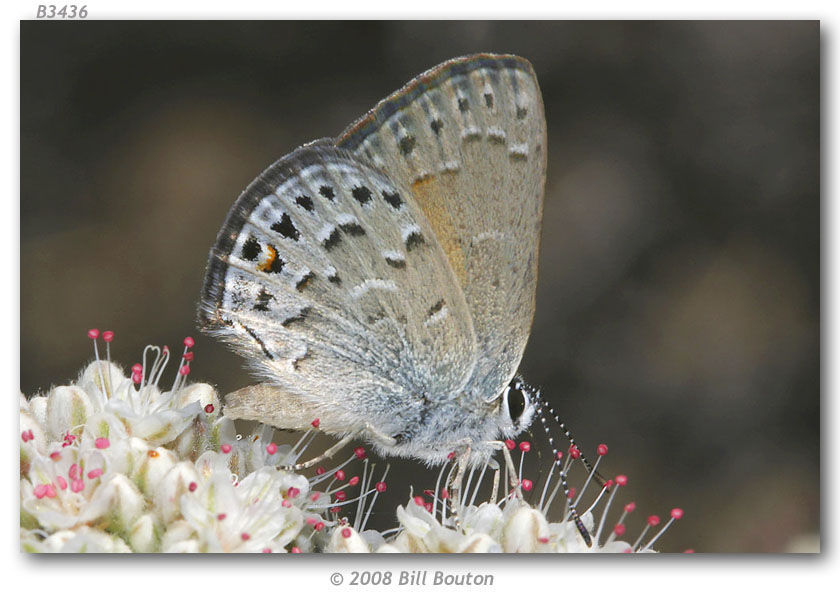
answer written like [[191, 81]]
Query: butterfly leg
[[510, 469], [455, 483], [367, 430]]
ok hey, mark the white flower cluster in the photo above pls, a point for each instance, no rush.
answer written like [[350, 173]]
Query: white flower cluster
[[113, 464], [108, 467], [518, 527]]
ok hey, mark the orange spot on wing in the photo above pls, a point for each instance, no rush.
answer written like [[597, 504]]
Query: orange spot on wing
[[266, 265]]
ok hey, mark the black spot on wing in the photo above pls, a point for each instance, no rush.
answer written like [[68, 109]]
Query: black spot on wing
[[414, 239], [436, 126], [286, 228], [521, 112], [334, 279], [437, 307], [298, 318], [251, 249], [327, 192], [305, 202], [392, 199], [262, 300], [362, 194], [353, 229], [304, 280], [333, 240], [397, 263], [463, 104], [407, 144], [488, 100]]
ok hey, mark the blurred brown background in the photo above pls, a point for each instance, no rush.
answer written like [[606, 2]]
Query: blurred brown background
[[679, 295]]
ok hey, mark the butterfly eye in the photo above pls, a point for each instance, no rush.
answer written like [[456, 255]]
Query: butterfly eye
[[516, 399]]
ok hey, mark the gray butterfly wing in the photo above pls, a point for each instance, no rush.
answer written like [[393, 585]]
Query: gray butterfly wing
[[468, 138], [329, 278]]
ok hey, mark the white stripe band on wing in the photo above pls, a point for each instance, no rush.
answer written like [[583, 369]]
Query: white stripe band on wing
[[373, 284]]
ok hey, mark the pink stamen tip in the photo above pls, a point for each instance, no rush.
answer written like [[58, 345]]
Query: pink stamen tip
[[602, 449], [450, 456], [136, 368], [320, 471], [354, 481], [319, 526], [93, 333], [188, 356], [419, 501], [574, 452], [108, 336], [73, 471], [77, 485], [271, 448], [381, 487], [94, 473], [50, 490], [185, 370], [193, 486], [340, 475], [56, 456], [225, 448], [209, 409], [295, 550], [316, 423], [360, 453], [166, 349], [221, 516], [543, 540], [525, 446], [621, 480], [189, 342], [444, 493], [559, 455], [346, 532], [628, 508], [40, 491], [428, 507], [429, 493], [653, 520], [527, 485], [266, 550], [286, 503], [341, 496], [102, 443], [136, 378], [510, 444], [315, 496], [608, 484], [572, 492], [311, 521], [245, 537], [677, 513], [62, 483], [619, 529], [688, 551], [628, 551]]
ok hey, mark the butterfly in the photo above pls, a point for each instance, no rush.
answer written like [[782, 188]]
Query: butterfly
[[383, 282]]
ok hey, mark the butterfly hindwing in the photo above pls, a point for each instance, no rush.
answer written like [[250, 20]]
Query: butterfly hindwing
[[330, 278]]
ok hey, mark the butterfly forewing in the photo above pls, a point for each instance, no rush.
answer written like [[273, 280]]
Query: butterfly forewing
[[468, 138], [329, 276]]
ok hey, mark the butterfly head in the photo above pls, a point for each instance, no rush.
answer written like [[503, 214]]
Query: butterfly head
[[518, 404]]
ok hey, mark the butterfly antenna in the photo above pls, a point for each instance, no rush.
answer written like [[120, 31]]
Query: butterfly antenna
[[600, 479], [540, 404]]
